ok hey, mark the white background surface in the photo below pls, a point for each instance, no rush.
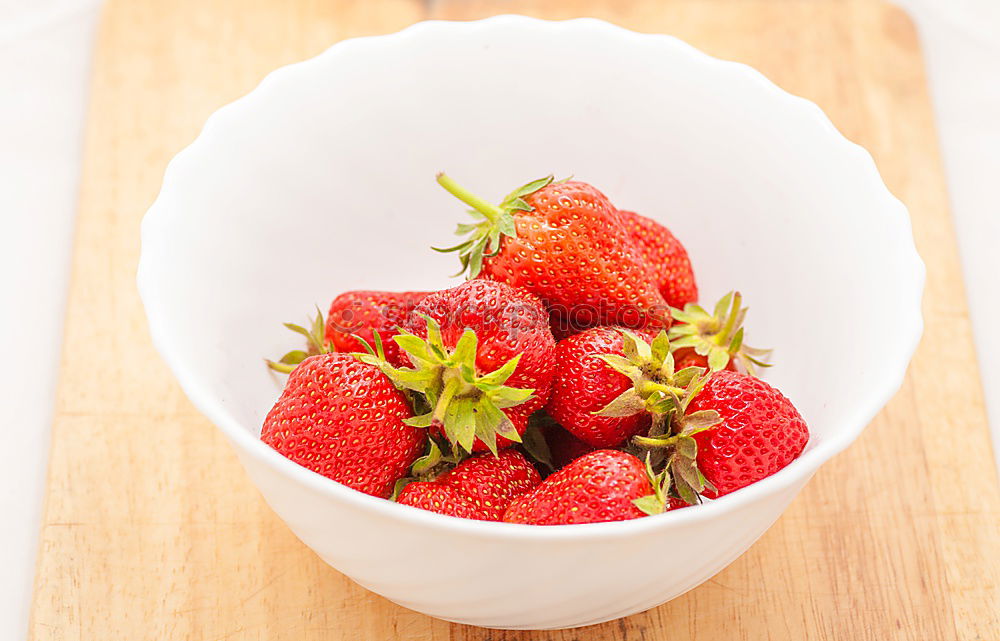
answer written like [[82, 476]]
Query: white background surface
[[45, 48]]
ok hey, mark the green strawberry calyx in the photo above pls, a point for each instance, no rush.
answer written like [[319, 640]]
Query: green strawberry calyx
[[655, 503], [464, 404], [655, 385], [717, 336], [493, 222], [316, 343], [438, 459], [674, 453], [670, 448]]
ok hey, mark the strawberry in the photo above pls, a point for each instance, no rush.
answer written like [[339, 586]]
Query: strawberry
[[564, 447], [482, 358], [566, 243], [440, 498], [714, 341], [604, 485], [760, 433], [361, 313], [480, 487], [492, 482], [666, 257], [344, 419], [584, 384], [651, 393]]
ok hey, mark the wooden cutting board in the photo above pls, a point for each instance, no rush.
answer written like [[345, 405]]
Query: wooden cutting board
[[152, 531]]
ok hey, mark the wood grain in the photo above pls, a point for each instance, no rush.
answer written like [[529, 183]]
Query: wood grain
[[152, 531]]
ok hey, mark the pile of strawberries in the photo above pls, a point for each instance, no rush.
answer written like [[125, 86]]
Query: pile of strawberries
[[571, 379]]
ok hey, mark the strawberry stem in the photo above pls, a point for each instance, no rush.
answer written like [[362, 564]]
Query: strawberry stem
[[655, 441], [491, 211], [452, 383]]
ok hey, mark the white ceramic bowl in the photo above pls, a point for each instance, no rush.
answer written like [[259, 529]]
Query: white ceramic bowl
[[322, 180]]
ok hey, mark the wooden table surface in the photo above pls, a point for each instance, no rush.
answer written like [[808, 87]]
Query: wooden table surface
[[152, 531]]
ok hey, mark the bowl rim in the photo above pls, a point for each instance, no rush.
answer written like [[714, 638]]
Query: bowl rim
[[795, 474]]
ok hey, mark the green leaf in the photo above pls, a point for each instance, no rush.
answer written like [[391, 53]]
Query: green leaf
[[682, 341], [468, 373], [280, 367], [660, 349], [627, 403], [662, 404], [649, 504], [499, 376], [621, 365], [399, 486], [433, 331], [722, 307], [465, 349], [667, 365], [636, 349], [759, 353], [508, 431], [475, 260], [294, 357], [424, 420], [415, 347], [688, 472], [526, 189], [535, 445], [315, 339], [459, 431], [491, 246], [737, 342], [489, 437], [459, 247], [506, 226], [684, 377], [517, 204], [505, 397], [686, 493], [462, 416], [718, 358], [418, 380], [496, 421], [687, 447], [659, 425], [426, 463], [700, 421], [684, 319], [298, 329]]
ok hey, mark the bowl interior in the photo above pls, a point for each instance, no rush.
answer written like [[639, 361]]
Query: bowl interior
[[322, 180]]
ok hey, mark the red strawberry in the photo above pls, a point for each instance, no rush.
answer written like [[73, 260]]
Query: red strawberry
[[601, 486], [480, 487], [344, 419], [714, 341], [585, 384], [651, 395], [361, 313], [564, 448], [760, 433], [482, 357], [440, 498], [666, 257], [566, 243], [492, 482]]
